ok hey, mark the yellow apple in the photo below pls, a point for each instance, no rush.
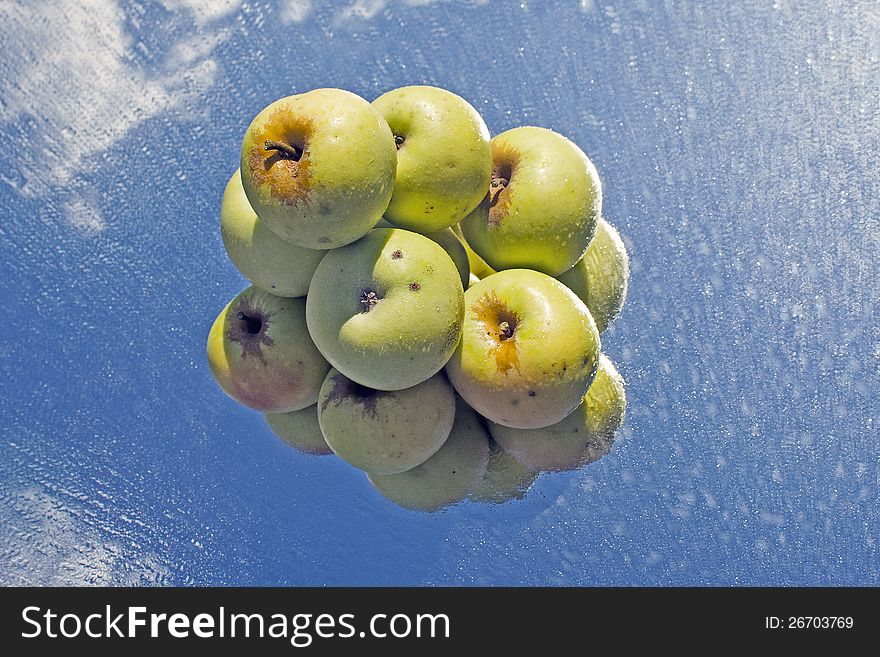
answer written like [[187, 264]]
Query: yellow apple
[[601, 277], [260, 352], [542, 206], [444, 161], [529, 349], [386, 311], [319, 167], [300, 430], [586, 435], [266, 260], [385, 432]]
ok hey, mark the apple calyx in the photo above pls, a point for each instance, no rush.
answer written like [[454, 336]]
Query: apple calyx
[[249, 330], [252, 324], [369, 298], [343, 388], [285, 151], [506, 330]]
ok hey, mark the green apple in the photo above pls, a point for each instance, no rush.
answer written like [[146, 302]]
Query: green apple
[[319, 167], [473, 279], [300, 430], [456, 251], [444, 160], [584, 436], [387, 310], [601, 277], [477, 265], [260, 352], [266, 260], [385, 432], [452, 244], [529, 349], [449, 475], [505, 478], [542, 206]]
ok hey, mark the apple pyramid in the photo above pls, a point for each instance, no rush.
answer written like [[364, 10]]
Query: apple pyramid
[[426, 302]]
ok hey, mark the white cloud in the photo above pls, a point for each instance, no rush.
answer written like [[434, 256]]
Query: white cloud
[[204, 11], [365, 9], [84, 215], [46, 542], [295, 11], [79, 91]]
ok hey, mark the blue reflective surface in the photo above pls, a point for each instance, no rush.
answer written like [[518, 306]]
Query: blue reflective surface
[[738, 149]]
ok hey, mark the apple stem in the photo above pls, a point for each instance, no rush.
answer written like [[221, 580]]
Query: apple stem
[[495, 188], [292, 152]]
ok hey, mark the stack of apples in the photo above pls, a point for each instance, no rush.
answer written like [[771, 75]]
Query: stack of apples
[[426, 302]]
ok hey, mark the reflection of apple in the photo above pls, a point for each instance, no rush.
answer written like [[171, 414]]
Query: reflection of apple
[[386, 311], [261, 354], [444, 161], [583, 437], [266, 260], [319, 167], [505, 479], [600, 278], [449, 475], [477, 265], [300, 429], [543, 203], [528, 352], [385, 432]]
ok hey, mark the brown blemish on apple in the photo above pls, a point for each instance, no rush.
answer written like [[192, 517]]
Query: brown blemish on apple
[[247, 324], [397, 254], [500, 324], [497, 201], [415, 287], [279, 157], [345, 389]]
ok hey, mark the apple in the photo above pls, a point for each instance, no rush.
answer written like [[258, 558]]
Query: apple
[[601, 277], [387, 310], [300, 430], [449, 475], [444, 159], [542, 205], [266, 260], [473, 279], [477, 265], [455, 250], [529, 349], [385, 432], [260, 352], [453, 246], [583, 437], [319, 167], [505, 478]]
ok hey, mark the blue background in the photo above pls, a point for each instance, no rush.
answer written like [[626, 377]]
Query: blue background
[[738, 148]]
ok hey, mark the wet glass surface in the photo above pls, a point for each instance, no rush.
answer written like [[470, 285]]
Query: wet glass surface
[[738, 148]]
